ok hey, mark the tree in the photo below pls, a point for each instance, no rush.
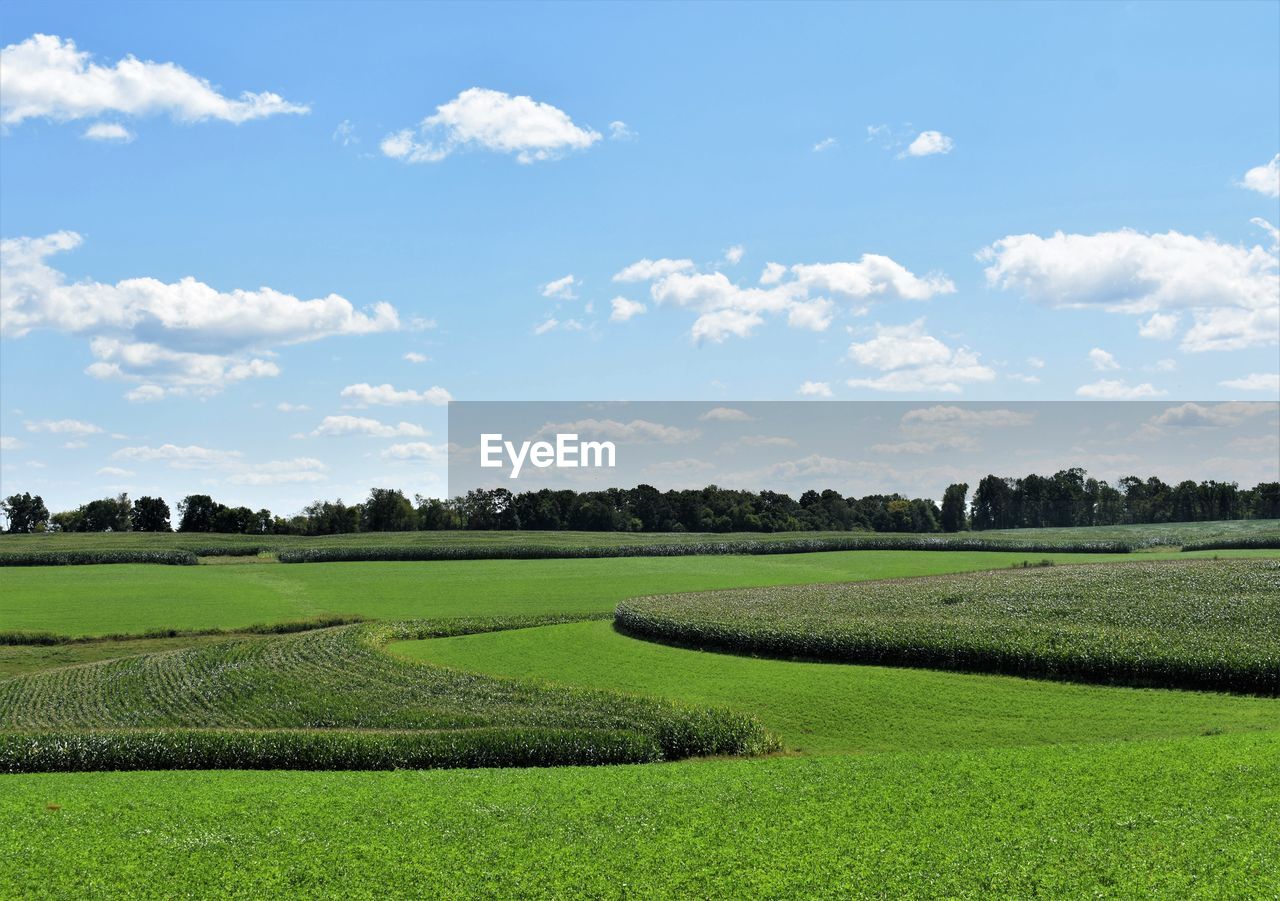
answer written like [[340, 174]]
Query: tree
[[110, 514], [388, 510], [953, 501], [150, 514], [26, 512], [199, 513]]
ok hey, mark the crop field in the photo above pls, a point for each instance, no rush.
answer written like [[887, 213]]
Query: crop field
[[500, 727], [500, 543], [1200, 624]]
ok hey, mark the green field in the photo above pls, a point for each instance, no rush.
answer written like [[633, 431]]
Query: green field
[[892, 782], [128, 598], [1178, 820]]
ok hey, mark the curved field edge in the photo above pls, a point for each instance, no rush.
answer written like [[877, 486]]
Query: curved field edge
[[331, 699], [1167, 819], [1199, 624]]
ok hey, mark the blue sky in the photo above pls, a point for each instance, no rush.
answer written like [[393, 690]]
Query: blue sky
[[1146, 134]]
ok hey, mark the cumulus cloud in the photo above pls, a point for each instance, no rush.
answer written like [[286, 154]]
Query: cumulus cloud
[[815, 389], [414, 450], [647, 269], [733, 255], [47, 77], [63, 427], [824, 144], [342, 426], [415, 357], [624, 309], [1258, 381], [144, 394], [1193, 415], [286, 407], [114, 471], [484, 119], [1231, 292], [1118, 389], [1264, 179], [110, 132], [806, 294], [927, 143], [637, 431], [1102, 360], [280, 472], [726, 414], [561, 288], [620, 131], [364, 395], [545, 326], [191, 456], [179, 336], [967, 417], [10, 443], [912, 360]]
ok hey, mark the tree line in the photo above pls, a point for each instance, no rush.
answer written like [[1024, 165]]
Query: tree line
[[1067, 498]]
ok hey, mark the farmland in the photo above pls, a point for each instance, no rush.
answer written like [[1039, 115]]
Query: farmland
[[883, 772]]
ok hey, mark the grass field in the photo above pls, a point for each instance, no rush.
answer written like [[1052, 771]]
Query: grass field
[[101, 600], [895, 782], [834, 708], [1183, 819]]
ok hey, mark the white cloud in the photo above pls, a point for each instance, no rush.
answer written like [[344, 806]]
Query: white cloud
[[144, 394], [339, 426], [1160, 327], [928, 143], [733, 255], [1164, 365], [10, 444], [1193, 415], [1232, 292], [915, 361], [815, 389], [637, 431], [949, 416], [824, 144], [624, 309], [46, 77], [480, 118], [286, 407], [114, 472], [280, 472], [619, 131], [1035, 362], [806, 293], [63, 427], [766, 441], [415, 357], [648, 270], [345, 134], [545, 326], [414, 450], [561, 288], [726, 414], [365, 394], [1264, 179], [1118, 389], [1258, 381], [181, 335], [1102, 360], [191, 456], [112, 132]]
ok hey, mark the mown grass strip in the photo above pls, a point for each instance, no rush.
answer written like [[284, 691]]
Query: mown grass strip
[[1201, 624]]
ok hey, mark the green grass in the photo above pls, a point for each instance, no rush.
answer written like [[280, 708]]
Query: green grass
[[15, 660], [329, 679], [1170, 534], [834, 708], [99, 600], [1185, 623], [1187, 819]]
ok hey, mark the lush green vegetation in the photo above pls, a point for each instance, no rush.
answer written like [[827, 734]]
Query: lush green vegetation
[[1182, 819], [1195, 623], [336, 678], [843, 709], [88, 558], [102, 600], [205, 544]]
